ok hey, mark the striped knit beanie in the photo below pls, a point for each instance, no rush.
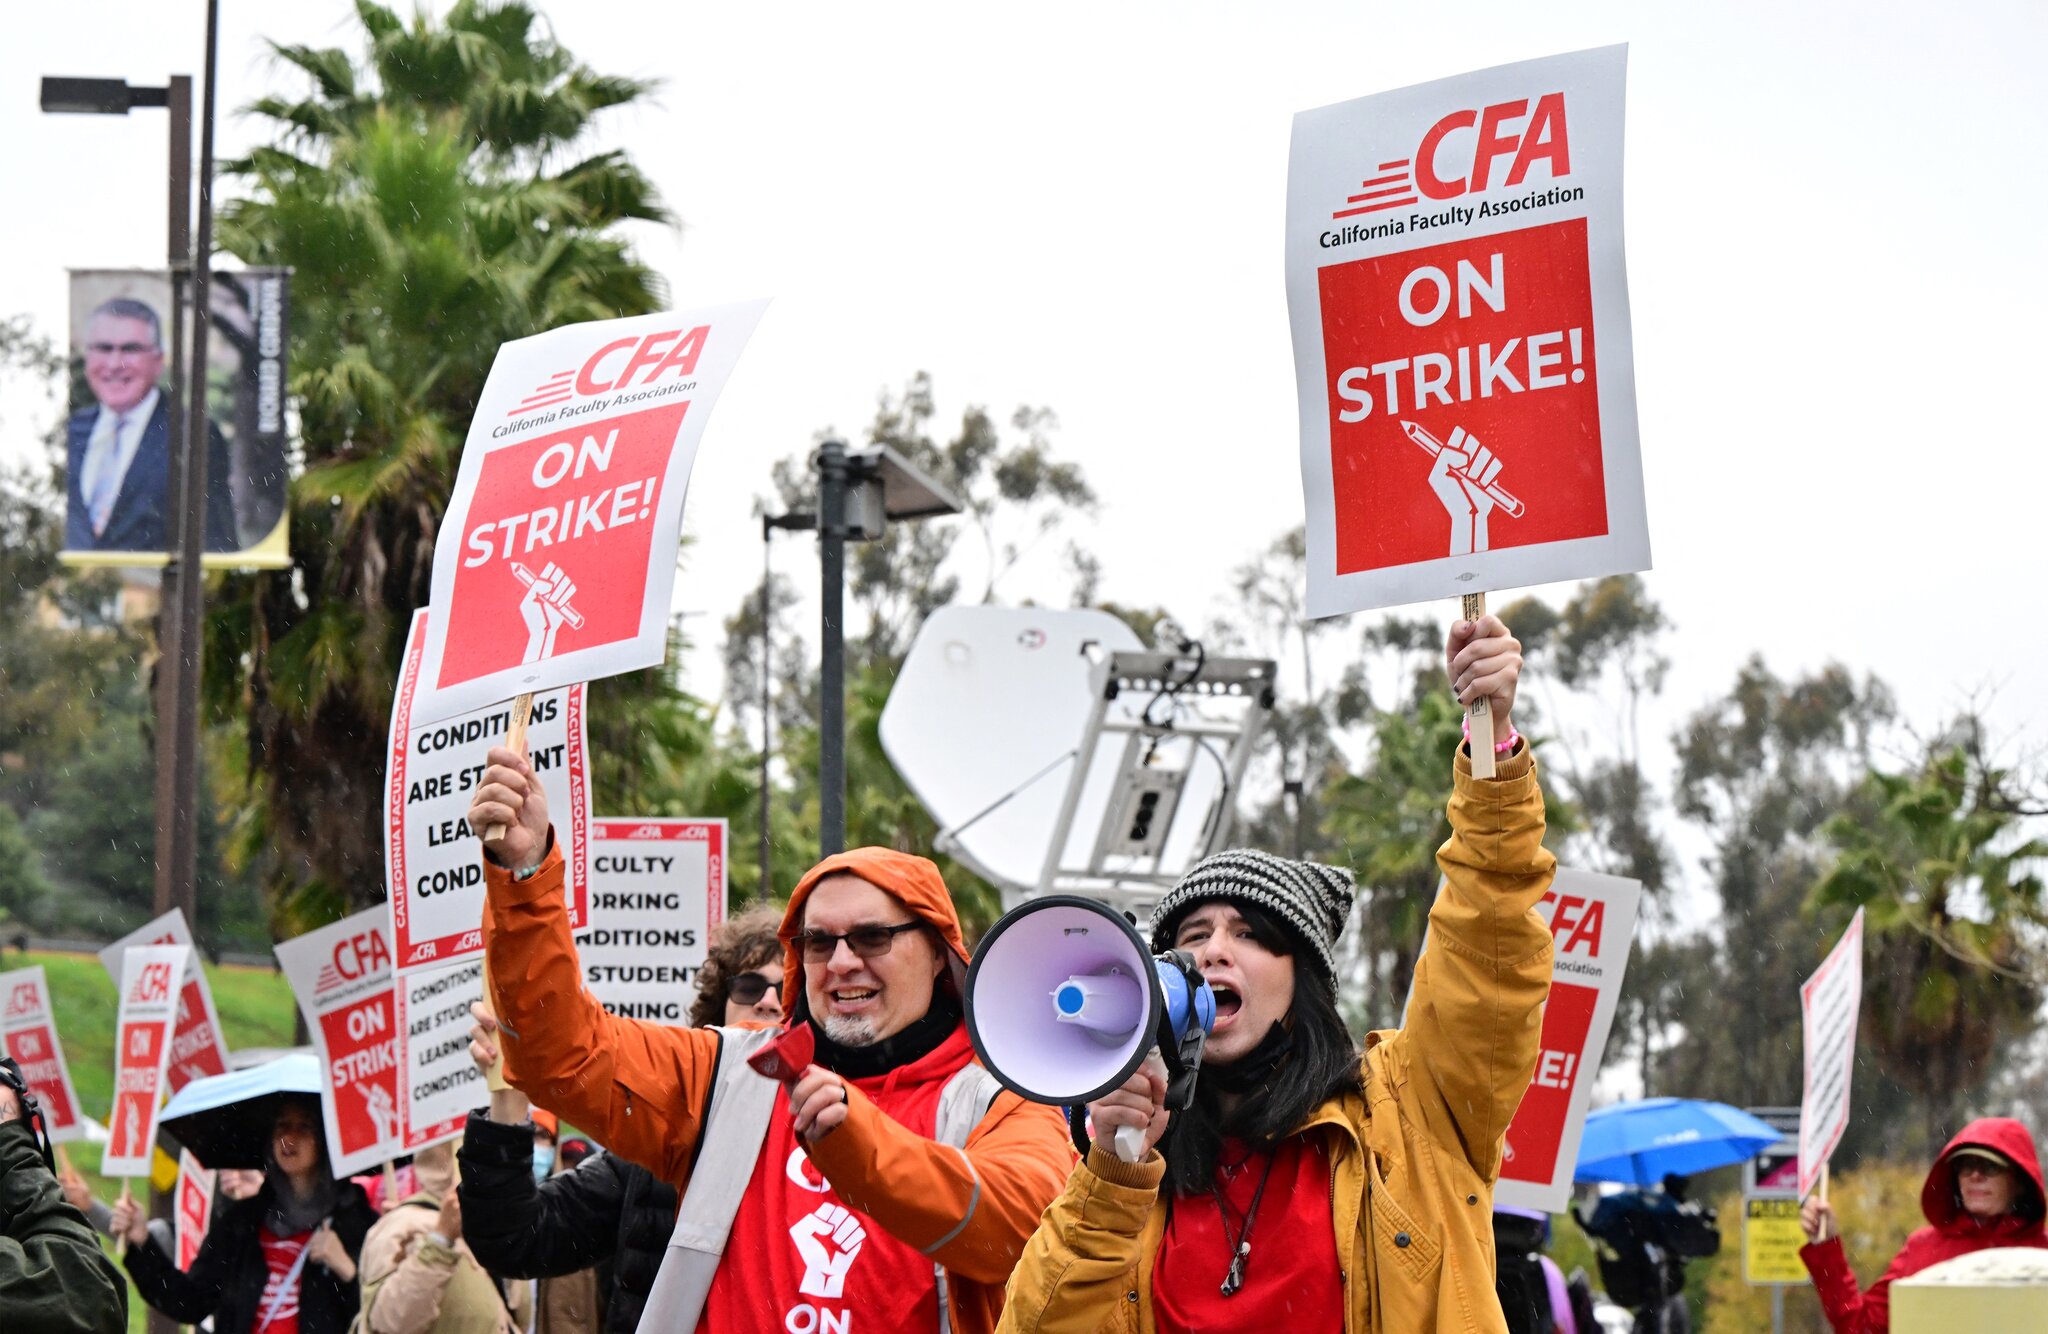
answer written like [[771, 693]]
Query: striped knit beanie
[[1311, 898]]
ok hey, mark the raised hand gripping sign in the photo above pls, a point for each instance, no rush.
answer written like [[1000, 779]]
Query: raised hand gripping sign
[[1459, 302], [557, 555]]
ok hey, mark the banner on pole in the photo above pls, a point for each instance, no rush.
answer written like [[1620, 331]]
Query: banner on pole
[[1458, 294], [197, 1048], [1829, 1003], [433, 863], [150, 1006], [440, 1084], [1592, 920], [193, 1213], [341, 976], [657, 888], [28, 1029], [558, 552]]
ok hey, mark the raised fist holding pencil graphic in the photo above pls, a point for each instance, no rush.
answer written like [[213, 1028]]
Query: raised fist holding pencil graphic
[[1462, 476], [545, 607]]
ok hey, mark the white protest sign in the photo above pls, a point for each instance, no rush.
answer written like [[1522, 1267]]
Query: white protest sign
[[657, 888], [1458, 296], [558, 548], [193, 1212], [440, 1084], [433, 864], [28, 1032], [1829, 1002], [341, 976], [149, 980], [1592, 920], [198, 1049]]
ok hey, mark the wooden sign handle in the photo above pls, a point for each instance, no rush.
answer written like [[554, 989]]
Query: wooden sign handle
[[515, 741], [1479, 714]]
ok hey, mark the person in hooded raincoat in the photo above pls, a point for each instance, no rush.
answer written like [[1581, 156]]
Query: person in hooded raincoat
[[1984, 1191]]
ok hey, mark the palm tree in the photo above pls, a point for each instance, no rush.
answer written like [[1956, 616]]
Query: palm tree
[[433, 199]]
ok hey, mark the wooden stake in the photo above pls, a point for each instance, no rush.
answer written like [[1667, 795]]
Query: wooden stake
[[1822, 1191], [63, 1160], [121, 1242], [390, 1183], [1479, 715]]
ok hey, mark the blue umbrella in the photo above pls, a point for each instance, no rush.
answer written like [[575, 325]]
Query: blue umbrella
[[1640, 1142], [225, 1120]]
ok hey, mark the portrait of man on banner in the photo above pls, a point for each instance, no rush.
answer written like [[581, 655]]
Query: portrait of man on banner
[[120, 473]]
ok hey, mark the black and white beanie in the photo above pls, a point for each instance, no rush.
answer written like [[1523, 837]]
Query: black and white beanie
[[1309, 897]]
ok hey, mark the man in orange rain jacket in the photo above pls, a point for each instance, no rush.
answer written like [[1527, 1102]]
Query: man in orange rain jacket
[[893, 1176]]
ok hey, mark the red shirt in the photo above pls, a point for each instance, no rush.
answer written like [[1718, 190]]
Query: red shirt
[[280, 1254], [1290, 1277]]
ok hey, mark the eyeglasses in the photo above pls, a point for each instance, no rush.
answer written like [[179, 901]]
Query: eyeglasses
[[121, 349], [867, 942], [748, 988]]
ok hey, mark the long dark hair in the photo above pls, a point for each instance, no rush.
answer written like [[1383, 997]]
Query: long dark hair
[[1319, 1060]]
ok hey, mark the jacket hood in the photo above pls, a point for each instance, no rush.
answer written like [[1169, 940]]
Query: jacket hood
[[914, 880], [1939, 1199]]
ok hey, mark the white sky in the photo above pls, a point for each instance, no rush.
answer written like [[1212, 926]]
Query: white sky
[[1834, 222]]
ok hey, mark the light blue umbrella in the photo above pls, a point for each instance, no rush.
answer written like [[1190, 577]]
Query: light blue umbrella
[[1640, 1142], [225, 1120]]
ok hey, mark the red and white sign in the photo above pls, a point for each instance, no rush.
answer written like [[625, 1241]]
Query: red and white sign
[[150, 986], [197, 1048], [1592, 920], [557, 558], [1458, 295], [341, 975], [28, 1029], [433, 863], [657, 888], [440, 1084], [193, 1211], [1829, 1003]]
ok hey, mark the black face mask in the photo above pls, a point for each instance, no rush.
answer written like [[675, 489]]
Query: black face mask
[[31, 1110]]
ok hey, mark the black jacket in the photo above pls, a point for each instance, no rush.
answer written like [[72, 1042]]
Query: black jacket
[[226, 1280], [54, 1279], [607, 1212]]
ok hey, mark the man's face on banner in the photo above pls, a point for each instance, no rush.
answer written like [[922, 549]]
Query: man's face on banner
[[122, 360]]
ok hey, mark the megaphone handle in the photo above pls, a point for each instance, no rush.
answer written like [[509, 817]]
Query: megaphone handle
[[1130, 1144]]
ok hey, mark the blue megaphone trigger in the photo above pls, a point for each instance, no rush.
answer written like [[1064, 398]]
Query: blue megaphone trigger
[[1190, 1013]]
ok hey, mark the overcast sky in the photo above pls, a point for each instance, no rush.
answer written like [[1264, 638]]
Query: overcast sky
[[1834, 222]]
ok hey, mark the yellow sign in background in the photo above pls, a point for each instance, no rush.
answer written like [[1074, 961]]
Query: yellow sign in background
[[1771, 1240]]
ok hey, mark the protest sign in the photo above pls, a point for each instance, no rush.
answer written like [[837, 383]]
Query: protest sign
[[657, 888], [197, 1048], [434, 868], [341, 977], [1592, 920], [28, 1030], [558, 550], [150, 1007], [193, 1212], [1829, 1002], [1458, 295], [440, 1083]]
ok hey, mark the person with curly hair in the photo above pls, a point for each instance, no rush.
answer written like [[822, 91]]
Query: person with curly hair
[[741, 983]]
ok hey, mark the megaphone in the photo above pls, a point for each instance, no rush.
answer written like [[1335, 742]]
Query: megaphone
[[1064, 1001]]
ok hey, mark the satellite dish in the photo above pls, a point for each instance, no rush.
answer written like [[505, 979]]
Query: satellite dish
[[984, 722]]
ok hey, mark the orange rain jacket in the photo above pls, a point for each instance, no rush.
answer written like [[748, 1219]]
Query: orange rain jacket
[[640, 1087], [1413, 1159]]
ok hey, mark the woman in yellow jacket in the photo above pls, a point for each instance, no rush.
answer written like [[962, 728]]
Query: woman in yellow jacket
[[1312, 1187]]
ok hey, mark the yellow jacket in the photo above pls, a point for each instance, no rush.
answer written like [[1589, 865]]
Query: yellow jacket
[[1412, 1159]]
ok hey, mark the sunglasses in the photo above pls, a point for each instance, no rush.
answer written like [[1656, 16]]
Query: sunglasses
[[866, 942], [748, 988]]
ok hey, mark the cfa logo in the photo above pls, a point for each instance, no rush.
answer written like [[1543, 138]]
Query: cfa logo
[[605, 371], [646, 831], [153, 985], [22, 1000], [355, 957], [1458, 154]]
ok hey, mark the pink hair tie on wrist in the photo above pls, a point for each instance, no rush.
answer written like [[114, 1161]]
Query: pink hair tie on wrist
[[1499, 747]]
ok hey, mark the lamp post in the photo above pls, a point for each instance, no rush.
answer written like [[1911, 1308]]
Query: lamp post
[[180, 603]]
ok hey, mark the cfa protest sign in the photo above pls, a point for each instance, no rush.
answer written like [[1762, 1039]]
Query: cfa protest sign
[[1592, 919], [433, 865], [150, 1006], [341, 977], [28, 1031], [441, 1084], [557, 554], [197, 1049], [1458, 295], [193, 1212], [1829, 1002], [657, 888]]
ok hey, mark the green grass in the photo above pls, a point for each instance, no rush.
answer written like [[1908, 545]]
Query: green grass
[[256, 1010]]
